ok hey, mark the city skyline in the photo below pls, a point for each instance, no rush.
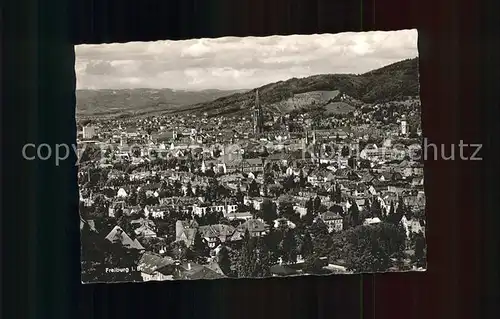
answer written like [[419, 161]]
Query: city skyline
[[232, 63], [257, 184]]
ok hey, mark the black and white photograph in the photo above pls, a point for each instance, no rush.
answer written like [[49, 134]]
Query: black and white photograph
[[250, 157]]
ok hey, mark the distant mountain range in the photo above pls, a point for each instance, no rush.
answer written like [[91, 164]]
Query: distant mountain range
[[140, 101], [339, 92]]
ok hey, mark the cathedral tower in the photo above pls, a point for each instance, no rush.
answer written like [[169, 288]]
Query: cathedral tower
[[258, 117]]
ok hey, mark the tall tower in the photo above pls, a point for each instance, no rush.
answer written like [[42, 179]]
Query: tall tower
[[404, 127], [123, 141], [88, 132], [258, 117]]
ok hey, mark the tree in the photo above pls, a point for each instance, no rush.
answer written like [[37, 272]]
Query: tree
[[272, 241], [189, 190], [418, 214], [268, 211], [353, 216], [198, 190], [313, 264], [268, 178], [351, 162], [392, 209], [332, 193], [289, 247], [370, 248], [289, 183], [90, 153], [263, 260], [401, 209], [166, 229], [365, 213], [103, 178], [309, 217], [362, 255], [392, 216], [142, 198], [337, 246], [179, 250], [398, 245], [302, 179], [306, 249], [321, 237], [99, 207], [420, 258], [364, 164], [310, 206], [224, 261], [413, 131], [376, 209], [288, 212], [239, 196], [338, 194], [345, 151], [200, 248], [247, 258], [136, 151], [154, 244], [317, 204], [253, 189], [396, 214]]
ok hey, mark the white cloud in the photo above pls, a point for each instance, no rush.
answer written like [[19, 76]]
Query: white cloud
[[196, 50], [236, 63]]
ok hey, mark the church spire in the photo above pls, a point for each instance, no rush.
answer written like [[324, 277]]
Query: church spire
[[258, 119]]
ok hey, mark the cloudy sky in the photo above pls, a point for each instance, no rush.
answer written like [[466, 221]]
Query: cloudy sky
[[237, 63]]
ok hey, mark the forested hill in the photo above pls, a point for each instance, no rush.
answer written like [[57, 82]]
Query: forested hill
[[388, 83]]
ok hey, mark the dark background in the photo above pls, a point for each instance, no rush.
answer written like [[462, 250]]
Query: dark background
[[459, 74]]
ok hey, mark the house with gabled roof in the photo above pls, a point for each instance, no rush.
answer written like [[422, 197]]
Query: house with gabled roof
[[333, 220], [130, 210], [185, 230], [193, 271], [320, 176], [414, 201], [232, 164], [412, 225], [118, 236], [90, 223], [342, 173], [389, 197], [371, 221], [379, 185], [252, 165], [283, 270], [155, 268], [122, 193], [157, 211], [213, 265], [417, 181], [150, 187], [145, 230], [283, 222], [239, 215], [213, 234], [255, 227]]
